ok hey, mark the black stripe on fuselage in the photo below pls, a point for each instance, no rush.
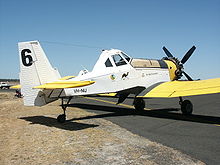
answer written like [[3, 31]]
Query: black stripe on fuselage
[[145, 91]]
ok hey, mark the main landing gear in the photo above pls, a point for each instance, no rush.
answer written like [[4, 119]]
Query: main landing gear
[[139, 104], [62, 118], [186, 105]]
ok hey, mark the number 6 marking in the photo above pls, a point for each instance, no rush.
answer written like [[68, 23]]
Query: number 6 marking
[[27, 60]]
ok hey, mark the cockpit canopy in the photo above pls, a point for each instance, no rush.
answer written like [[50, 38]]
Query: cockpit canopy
[[111, 58], [118, 60], [115, 58]]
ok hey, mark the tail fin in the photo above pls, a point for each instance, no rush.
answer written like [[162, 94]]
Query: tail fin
[[35, 69]]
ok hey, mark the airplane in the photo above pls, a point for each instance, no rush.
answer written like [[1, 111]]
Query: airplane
[[115, 74]]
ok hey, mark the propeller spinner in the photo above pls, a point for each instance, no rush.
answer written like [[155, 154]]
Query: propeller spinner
[[179, 64]]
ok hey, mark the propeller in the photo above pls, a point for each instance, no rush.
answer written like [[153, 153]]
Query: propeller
[[180, 69], [188, 54], [167, 52], [187, 76]]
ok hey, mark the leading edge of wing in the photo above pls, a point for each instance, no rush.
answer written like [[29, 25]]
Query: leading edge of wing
[[64, 84], [184, 88]]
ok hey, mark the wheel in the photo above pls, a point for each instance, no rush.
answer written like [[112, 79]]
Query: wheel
[[187, 107], [139, 104], [61, 118]]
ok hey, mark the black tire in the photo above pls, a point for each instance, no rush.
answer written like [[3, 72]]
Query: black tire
[[187, 107], [139, 104], [61, 118]]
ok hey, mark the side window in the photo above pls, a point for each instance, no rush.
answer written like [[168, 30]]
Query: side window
[[108, 63], [118, 60]]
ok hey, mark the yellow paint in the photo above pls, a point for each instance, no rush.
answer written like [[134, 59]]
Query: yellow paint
[[64, 84], [172, 68], [108, 94], [67, 77], [16, 87], [114, 103], [185, 88], [110, 102]]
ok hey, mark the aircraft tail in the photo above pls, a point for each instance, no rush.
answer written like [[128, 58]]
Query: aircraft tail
[[35, 70]]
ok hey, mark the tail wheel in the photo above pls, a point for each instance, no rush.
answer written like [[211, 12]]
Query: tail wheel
[[139, 104], [187, 107], [61, 118]]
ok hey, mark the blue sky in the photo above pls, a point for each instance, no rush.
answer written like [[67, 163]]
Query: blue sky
[[138, 27]]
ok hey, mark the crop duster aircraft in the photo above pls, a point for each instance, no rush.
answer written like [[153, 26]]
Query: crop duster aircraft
[[114, 73]]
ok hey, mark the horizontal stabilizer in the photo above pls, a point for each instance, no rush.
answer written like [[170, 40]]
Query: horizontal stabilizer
[[64, 84], [16, 86], [67, 77]]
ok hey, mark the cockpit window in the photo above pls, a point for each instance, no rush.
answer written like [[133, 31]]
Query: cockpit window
[[118, 60], [126, 57], [108, 63]]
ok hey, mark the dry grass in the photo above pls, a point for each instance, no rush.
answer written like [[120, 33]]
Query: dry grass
[[31, 135]]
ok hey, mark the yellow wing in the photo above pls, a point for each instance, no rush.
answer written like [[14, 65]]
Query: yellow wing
[[64, 84], [184, 88]]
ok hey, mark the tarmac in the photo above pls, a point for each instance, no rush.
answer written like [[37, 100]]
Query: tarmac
[[197, 135]]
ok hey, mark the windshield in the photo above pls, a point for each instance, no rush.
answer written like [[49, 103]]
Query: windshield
[[126, 57], [118, 60]]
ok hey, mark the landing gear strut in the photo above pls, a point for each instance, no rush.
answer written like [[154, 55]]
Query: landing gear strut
[[186, 106], [62, 118], [139, 104]]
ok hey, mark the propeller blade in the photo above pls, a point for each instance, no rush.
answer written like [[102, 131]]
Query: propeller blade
[[188, 54], [187, 76], [167, 52]]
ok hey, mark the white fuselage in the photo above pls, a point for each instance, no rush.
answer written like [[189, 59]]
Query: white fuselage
[[113, 72], [117, 78]]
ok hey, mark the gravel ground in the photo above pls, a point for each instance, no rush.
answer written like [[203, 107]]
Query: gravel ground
[[31, 135]]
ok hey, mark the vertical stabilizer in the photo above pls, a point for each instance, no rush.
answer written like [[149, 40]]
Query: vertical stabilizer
[[35, 69]]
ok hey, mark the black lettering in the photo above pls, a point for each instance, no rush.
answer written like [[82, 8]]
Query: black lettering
[[80, 90], [76, 90], [27, 60]]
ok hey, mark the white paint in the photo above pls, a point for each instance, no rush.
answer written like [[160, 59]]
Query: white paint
[[107, 79], [39, 72]]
